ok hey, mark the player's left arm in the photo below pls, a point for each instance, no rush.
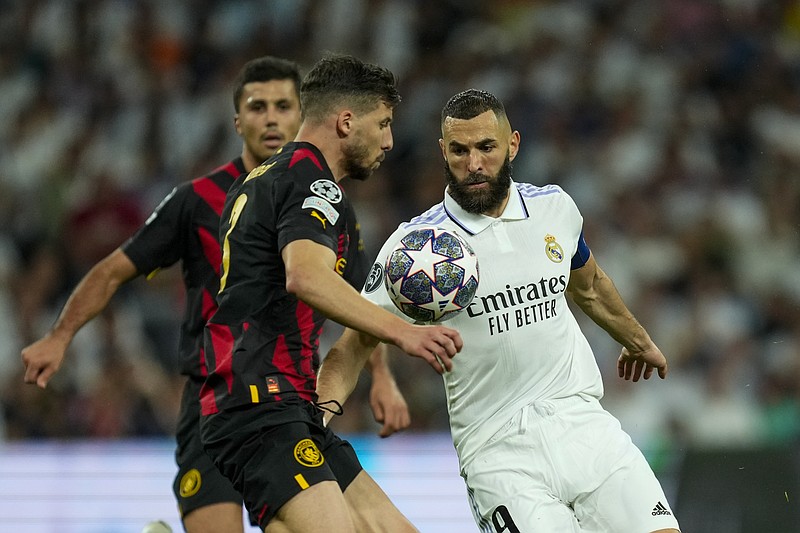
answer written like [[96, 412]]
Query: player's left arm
[[597, 296], [338, 375], [388, 405]]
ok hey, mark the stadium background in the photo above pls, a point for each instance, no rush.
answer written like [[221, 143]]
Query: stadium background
[[675, 124]]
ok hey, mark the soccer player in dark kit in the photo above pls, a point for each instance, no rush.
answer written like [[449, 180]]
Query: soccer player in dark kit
[[288, 238], [185, 227]]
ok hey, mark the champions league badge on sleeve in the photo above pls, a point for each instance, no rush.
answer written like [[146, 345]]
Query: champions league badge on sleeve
[[327, 189]]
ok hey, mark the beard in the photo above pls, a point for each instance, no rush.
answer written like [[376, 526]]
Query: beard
[[354, 156], [479, 201]]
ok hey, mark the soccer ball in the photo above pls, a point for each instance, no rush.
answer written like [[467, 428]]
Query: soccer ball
[[432, 274], [159, 526]]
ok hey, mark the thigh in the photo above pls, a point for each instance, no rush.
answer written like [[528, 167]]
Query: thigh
[[529, 511], [271, 453], [371, 508], [198, 482], [215, 518], [319, 509], [629, 499], [340, 455], [512, 487], [626, 495]]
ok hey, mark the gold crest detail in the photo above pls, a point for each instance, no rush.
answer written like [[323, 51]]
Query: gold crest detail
[[190, 483], [553, 250], [341, 264], [307, 454], [260, 169]]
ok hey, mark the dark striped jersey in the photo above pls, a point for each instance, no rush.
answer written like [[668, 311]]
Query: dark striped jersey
[[185, 227], [262, 344]]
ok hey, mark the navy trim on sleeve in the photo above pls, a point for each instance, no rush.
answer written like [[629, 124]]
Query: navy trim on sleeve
[[581, 254]]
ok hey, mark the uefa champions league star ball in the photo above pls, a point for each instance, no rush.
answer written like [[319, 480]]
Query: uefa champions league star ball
[[159, 526], [432, 274]]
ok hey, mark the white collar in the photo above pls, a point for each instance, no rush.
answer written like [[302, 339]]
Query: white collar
[[473, 223]]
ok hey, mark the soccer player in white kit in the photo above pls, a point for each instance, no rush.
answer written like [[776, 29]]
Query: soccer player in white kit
[[535, 447]]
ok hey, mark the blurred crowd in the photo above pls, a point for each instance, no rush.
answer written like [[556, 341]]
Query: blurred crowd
[[674, 124]]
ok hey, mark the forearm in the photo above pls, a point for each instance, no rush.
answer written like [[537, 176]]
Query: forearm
[[601, 302], [377, 364], [327, 292], [378, 367], [43, 358], [340, 369], [92, 294], [310, 276]]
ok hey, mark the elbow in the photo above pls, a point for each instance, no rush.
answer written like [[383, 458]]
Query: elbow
[[298, 282], [294, 285]]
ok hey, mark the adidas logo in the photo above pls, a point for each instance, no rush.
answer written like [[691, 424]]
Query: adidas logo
[[659, 509]]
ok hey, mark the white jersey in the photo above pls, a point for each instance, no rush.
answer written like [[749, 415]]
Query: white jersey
[[521, 342]]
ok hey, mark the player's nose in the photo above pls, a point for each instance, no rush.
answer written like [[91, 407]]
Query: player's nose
[[475, 161], [388, 140], [271, 115]]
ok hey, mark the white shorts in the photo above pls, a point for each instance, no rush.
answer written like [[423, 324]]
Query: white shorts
[[565, 466]]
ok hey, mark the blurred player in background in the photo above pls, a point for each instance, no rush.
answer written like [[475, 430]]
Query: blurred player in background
[[290, 242], [185, 227], [536, 449]]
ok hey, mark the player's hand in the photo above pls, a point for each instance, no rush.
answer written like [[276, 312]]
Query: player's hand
[[42, 359], [633, 365], [436, 344], [388, 405]]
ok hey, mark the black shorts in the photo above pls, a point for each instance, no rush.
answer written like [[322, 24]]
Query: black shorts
[[273, 451], [198, 482]]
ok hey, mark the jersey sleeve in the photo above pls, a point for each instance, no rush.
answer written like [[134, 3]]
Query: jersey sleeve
[[159, 242], [308, 208], [581, 254], [581, 249]]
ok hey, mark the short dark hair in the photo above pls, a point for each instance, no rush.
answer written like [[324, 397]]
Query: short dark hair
[[471, 103], [266, 68], [340, 79]]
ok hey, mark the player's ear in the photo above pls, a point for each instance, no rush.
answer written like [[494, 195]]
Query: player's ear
[[344, 123], [441, 147], [237, 124], [513, 145]]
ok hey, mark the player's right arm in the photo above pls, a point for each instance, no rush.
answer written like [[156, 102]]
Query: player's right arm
[[310, 276], [43, 358]]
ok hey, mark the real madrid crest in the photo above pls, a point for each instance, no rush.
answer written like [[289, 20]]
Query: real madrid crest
[[553, 250]]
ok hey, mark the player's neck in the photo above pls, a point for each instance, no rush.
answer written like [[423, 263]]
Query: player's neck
[[249, 161], [497, 211], [328, 144]]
